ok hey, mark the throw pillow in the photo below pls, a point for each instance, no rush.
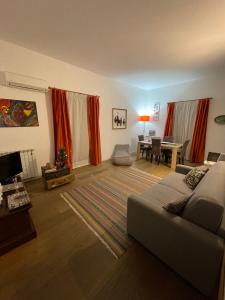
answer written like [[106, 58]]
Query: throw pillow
[[194, 176], [175, 207]]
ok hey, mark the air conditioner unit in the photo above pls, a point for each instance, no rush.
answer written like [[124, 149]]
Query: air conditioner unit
[[23, 82]]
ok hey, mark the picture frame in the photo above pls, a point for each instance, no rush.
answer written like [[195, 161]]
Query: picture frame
[[156, 111], [119, 118]]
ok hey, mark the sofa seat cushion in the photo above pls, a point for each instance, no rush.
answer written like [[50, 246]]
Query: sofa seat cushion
[[121, 153], [176, 182], [122, 161], [161, 195], [206, 206]]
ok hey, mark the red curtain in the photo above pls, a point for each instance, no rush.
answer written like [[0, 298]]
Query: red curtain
[[168, 131], [62, 133], [94, 130], [197, 151]]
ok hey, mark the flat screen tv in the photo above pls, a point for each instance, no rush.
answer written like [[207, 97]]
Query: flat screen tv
[[10, 166]]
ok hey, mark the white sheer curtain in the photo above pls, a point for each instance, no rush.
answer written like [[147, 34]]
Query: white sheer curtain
[[184, 122], [77, 107]]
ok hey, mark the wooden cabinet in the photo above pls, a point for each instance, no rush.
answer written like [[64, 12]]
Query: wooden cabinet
[[16, 226]]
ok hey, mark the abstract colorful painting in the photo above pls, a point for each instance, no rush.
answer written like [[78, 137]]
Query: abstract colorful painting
[[17, 113]]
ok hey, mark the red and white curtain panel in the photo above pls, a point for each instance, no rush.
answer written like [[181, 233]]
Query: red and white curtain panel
[[76, 127], [188, 121]]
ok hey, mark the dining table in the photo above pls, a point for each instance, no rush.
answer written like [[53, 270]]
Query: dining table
[[174, 147]]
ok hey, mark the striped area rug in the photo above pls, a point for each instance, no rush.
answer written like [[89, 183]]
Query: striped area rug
[[102, 204]]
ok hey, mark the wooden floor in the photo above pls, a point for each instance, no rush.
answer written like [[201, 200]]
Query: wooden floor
[[67, 261]]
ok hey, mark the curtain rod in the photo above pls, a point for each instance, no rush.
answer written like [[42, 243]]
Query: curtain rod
[[210, 98], [72, 91]]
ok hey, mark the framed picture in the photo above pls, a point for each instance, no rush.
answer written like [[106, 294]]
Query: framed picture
[[156, 112], [119, 118], [18, 113]]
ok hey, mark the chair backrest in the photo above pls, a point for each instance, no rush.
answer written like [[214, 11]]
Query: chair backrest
[[121, 147], [169, 139], [141, 137], [221, 157], [184, 148], [156, 146], [213, 156]]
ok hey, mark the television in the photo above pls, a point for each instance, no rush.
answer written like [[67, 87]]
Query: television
[[10, 166]]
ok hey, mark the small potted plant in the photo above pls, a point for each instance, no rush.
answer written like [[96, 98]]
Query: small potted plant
[[62, 157]]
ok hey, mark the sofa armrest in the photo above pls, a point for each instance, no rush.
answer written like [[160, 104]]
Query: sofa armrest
[[192, 251], [183, 169]]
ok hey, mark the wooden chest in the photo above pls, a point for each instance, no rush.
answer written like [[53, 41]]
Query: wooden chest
[[54, 182], [55, 174], [57, 178]]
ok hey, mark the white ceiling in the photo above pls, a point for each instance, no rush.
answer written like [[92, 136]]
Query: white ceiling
[[146, 43]]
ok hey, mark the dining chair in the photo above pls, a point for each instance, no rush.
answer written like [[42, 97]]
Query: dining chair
[[143, 148], [156, 149], [168, 138], [182, 154], [167, 152], [213, 156], [221, 157], [141, 137]]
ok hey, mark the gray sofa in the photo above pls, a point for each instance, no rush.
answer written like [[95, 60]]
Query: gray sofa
[[191, 243]]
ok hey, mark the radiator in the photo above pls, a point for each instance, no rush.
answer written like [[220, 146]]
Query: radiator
[[29, 163]]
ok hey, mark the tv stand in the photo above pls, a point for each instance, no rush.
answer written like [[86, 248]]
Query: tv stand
[[16, 226]]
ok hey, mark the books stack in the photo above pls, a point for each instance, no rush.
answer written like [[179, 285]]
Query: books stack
[[17, 200]]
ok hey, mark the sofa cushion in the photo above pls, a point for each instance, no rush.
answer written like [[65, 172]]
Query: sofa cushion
[[206, 206], [176, 182], [161, 195], [221, 229], [176, 207], [194, 176]]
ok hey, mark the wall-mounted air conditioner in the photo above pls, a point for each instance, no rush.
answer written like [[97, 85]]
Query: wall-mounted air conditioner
[[23, 82]]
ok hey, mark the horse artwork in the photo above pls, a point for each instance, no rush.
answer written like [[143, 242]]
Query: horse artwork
[[119, 118], [18, 113]]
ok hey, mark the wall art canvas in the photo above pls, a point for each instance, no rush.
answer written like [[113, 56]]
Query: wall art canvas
[[156, 111], [18, 113], [119, 118], [151, 133]]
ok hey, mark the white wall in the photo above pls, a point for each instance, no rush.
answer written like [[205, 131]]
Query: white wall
[[112, 94], [209, 87], [61, 75]]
